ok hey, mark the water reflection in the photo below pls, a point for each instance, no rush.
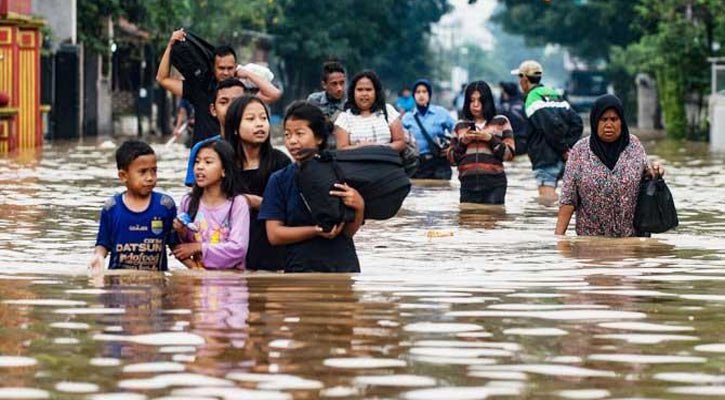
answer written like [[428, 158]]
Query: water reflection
[[453, 302]]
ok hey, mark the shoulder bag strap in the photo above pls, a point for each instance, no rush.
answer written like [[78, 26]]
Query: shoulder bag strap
[[431, 143]]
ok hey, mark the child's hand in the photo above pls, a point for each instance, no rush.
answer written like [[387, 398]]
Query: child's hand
[[331, 234], [179, 227], [96, 264], [186, 250], [350, 197]]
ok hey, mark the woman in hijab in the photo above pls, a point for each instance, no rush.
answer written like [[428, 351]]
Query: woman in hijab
[[432, 127], [602, 175]]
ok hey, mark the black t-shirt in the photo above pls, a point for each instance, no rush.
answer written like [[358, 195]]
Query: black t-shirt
[[282, 202], [262, 255], [205, 124]]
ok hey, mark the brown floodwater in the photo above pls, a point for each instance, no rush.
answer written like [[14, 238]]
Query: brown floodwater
[[452, 302]]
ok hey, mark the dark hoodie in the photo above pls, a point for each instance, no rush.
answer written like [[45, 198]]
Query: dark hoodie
[[608, 153]]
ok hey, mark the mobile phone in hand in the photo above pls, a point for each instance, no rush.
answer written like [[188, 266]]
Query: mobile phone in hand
[[463, 125]]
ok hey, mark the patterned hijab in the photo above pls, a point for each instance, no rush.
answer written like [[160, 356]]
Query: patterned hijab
[[608, 153]]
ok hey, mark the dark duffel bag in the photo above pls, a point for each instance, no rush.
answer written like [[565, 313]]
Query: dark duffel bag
[[376, 172], [655, 212], [194, 58]]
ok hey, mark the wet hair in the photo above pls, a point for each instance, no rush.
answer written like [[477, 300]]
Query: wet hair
[[489, 107], [317, 121], [231, 185], [225, 84], [131, 150], [378, 104], [224, 50], [330, 68], [231, 134]]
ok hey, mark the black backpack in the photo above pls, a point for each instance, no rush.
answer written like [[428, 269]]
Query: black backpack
[[575, 126], [194, 58], [566, 122], [374, 171]]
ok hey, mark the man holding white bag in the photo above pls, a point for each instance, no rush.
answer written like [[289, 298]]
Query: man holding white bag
[[255, 77]]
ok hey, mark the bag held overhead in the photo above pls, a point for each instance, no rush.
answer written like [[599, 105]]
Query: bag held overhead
[[194, 58]]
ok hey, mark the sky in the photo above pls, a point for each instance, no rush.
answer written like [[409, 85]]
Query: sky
[[466, 23]]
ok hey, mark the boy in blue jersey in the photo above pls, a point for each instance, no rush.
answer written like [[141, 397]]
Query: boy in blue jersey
[[135, 226]]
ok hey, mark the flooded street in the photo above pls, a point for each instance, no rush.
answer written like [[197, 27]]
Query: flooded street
[[452, 303]]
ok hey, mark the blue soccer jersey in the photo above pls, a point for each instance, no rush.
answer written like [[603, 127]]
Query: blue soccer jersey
[[138, 240]]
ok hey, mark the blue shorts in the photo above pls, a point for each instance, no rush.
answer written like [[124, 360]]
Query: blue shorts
[[549, 175]]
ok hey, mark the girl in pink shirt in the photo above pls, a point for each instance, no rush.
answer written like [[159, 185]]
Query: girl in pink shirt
[[220, 235]]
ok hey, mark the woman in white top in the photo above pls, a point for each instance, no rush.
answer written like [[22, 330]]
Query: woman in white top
[[368, 120]]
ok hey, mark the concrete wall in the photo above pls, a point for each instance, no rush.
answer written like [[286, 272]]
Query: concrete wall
[[61, 17]]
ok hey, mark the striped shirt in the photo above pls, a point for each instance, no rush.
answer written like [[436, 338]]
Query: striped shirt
[[373, 128], [485, 158]]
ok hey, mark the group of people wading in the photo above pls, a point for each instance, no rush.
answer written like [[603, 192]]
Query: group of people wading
[[244, 210]]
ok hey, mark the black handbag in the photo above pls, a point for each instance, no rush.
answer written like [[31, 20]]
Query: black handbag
[[655, 212]]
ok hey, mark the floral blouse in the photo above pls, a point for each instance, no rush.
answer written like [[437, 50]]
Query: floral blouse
[[604, 200]]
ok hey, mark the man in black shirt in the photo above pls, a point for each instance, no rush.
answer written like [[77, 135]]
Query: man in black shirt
[[225, 66]]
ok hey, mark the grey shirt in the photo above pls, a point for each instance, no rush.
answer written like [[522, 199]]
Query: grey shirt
[[332, 108]]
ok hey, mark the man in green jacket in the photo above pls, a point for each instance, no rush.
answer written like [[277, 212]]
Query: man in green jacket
[[554, 127]]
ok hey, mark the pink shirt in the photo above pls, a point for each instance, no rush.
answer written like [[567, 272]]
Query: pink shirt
[[223, 233]]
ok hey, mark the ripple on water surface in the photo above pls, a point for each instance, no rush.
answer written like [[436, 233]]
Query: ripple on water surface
[[76, 387], [276, 381], [363, 363], [164, 381], [16, 362], [23, 393], [46, 302], [156, 339], [460, 393], [402, 380], [441, 327]]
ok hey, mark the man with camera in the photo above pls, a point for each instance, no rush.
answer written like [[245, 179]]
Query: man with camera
[[432, 127]]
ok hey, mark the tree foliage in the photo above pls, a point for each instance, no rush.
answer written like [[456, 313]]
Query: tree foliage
[[587, 28], [670, 39], [677, 38], [92, 15], [390, 36]]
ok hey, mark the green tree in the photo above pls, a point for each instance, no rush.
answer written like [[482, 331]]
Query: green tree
[[92, 18], [386, 35], [587, 28], [678, 37]]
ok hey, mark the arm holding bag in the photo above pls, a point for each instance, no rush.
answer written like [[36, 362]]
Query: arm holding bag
[[194, 59], [655, 212]]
